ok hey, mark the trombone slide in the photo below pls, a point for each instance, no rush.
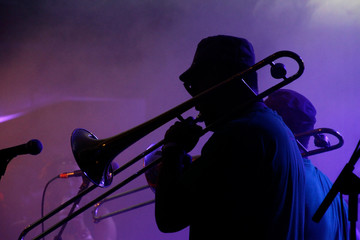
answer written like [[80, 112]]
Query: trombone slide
[[98, 218]]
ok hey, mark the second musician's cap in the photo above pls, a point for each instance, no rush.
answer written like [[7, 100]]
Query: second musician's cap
[[295, 109]]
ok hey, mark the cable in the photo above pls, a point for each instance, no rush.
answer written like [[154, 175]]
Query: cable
[[43, 201]]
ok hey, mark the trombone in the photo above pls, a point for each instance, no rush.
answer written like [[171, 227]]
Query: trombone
[[321, 141], [94, 156]]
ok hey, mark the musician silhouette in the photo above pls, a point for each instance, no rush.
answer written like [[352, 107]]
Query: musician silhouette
[[251, 156], [300, 116]]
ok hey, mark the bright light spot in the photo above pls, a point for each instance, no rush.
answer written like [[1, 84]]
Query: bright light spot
[[10, 117], [335, 12]]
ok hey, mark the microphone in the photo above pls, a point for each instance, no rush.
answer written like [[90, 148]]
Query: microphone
[[32, 147]]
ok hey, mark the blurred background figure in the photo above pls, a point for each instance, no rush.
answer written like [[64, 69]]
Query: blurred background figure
[[300, 116]]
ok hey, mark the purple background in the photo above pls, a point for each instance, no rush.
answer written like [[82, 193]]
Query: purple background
[[108, 66]]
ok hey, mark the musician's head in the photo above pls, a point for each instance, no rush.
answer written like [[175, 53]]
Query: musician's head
[[216, 59], [297, 111]]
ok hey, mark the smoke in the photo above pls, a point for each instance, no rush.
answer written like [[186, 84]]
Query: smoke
[[335, 13], [122, 59], [79, 49]]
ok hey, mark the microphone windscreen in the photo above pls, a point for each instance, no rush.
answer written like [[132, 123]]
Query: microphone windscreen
[[34, 146]]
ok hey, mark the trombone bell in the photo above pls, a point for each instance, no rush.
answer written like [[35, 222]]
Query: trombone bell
[[89, 153]]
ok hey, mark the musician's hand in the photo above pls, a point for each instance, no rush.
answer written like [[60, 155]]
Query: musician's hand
[[183, 134]]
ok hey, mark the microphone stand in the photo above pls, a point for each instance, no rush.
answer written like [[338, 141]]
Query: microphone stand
[[4, 161], [83, 186], [349, 184]]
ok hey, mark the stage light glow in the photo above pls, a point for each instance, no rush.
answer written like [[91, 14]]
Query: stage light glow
[[335, 12], [10, 117]]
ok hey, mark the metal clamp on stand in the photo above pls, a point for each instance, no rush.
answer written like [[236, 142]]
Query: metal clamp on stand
[[349, 184]]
